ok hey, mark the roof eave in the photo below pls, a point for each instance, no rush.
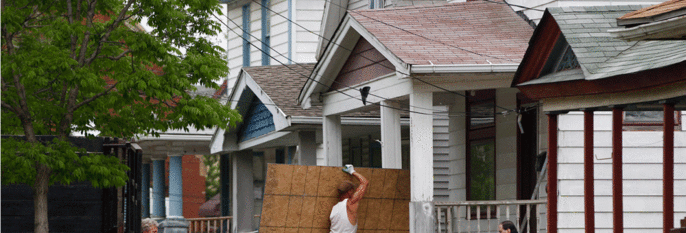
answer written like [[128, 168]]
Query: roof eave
[[464, 68], [674, 28]]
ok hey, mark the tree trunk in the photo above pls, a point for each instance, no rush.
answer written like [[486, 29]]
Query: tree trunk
[[40, 198]]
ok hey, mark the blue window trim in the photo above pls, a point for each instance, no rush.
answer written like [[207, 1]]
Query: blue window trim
[[246, 35], [266, 34]]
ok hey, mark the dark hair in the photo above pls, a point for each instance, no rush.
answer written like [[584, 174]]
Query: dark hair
[[509, 225]]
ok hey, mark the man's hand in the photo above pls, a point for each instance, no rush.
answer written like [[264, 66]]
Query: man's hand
[[348, 168]]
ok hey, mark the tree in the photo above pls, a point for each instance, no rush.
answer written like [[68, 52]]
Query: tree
[[80, 65], [212, 181]]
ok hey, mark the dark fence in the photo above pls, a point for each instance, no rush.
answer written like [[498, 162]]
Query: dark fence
[[79, 207]]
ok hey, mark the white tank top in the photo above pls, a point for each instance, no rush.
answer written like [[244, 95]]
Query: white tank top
[[339, 219]]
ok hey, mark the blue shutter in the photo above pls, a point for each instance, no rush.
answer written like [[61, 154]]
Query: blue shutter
[[246, 35], [265, 33]]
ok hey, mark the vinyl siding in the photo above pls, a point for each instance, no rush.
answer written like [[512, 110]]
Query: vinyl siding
[[308, 13], [642, 159]]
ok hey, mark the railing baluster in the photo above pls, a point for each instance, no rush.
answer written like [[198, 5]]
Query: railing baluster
[[488, 216], [507, 212], [449, 219], [469, 219], [528, 218], [518, 216], [497, 214], [478, 218], [438, 218], [459, 219]]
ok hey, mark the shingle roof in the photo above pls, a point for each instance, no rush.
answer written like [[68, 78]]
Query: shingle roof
[[600, 54], [656, 10], [282, 83], [476, 32]]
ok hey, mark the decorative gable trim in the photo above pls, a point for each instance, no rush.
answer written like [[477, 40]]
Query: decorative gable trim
[[332, 60], [364, 63], [246, 93]]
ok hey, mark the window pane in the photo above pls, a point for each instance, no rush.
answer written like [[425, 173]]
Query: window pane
[[644, 116], [482, 167]]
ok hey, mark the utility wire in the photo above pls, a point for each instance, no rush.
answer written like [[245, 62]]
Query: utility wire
[[330, 41], [316, 81], [392, 68]]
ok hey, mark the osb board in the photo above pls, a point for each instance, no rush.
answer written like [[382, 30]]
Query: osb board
[[298, 199]]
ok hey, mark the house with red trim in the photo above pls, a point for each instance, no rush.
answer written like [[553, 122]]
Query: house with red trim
[[452, 61], [611, 81]]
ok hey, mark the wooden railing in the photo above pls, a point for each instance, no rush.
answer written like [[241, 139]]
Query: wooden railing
[[484, 216], [210, 224]]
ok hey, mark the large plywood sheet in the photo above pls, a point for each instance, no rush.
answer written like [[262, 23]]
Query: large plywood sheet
[[299, 199]]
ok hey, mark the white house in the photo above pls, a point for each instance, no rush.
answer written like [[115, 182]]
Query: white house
[[271, 32]]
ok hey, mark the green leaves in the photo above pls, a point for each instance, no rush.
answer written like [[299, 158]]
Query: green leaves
[[67, 163]]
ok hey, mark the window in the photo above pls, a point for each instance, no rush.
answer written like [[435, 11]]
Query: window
[[362, 152], [481, 149], [648, 120], [376, 4]]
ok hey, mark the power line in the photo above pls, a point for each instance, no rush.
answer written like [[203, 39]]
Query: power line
[[330, 41], [316, 81]]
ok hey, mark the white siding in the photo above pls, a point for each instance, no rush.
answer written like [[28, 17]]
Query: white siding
[[308, 14], [642, 159], [441, 158]]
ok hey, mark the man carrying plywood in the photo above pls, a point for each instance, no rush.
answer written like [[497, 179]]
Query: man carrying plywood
[[344, 214]]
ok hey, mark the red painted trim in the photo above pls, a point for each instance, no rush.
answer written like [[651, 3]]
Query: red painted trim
[[589, 204], [540, 46], [644, 80], [552, 173], [668, 169], [617, 194]]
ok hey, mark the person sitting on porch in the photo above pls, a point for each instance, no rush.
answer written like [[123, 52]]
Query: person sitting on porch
[[344, 214], [149, 225], [507, 227]]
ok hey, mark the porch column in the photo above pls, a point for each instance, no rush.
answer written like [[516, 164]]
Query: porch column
[[589, 195], [457, 151], [552, 173], [617, 194], [421, 162], [390, 136], [175, 187], [333, 146], [159, 210], [243, 194], [175, 222], [145, 180], [307, 148], [668, 168]]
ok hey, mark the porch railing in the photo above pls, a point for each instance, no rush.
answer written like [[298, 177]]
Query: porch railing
[[210, 224], [484, 216]]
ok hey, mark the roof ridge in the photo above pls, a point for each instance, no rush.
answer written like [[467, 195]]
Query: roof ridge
[[436, 5]]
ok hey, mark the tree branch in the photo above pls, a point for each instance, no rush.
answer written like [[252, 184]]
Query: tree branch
[[121, 17], [117, 57], [94, 97]]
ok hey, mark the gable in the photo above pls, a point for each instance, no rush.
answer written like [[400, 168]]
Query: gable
[[561, 58], [257, 121], [545, 40], [364, 63]]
